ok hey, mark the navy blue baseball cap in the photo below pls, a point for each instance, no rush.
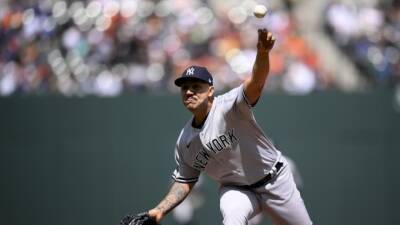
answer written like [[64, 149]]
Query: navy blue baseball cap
[[197, 73]]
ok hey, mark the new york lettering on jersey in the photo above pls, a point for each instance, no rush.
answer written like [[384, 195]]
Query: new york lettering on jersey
[[220, 143]]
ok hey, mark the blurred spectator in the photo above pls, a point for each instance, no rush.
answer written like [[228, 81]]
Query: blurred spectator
[[103, 48], [370, 35]]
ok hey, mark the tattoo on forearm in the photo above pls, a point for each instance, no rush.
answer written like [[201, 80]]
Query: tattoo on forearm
[[175, 196]]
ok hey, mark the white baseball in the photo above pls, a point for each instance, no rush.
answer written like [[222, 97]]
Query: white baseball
[[260, 11]]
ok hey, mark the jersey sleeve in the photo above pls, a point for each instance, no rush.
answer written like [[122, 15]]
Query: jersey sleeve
[[236, 101], [183, 173]]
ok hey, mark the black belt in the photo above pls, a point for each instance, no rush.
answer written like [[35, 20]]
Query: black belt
[[267, 178]]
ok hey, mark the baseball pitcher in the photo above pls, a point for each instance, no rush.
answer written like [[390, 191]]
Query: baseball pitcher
[[224, 140]]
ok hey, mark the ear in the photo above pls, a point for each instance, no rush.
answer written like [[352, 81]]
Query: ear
[[211, 91]]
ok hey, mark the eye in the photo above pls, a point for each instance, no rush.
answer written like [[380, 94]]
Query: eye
[[184, 87], [196, 87]]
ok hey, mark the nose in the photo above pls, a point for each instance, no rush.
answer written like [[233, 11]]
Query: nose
[[189, 92]]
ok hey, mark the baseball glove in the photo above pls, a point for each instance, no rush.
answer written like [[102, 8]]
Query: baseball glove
[[139, 219]]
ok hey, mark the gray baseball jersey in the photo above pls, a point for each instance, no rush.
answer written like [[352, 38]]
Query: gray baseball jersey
[[230, 147]]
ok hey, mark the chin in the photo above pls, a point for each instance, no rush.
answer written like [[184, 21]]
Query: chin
[[191, 108]]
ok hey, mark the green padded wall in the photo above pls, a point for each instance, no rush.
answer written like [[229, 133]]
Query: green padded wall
[[80, 161]]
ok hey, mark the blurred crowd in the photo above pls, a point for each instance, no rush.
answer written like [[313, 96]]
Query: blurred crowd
[[368, 32], [107, 47]]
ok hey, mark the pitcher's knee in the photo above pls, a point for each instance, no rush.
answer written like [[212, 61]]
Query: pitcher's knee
[[235, 221], [234, 215], [237, 206]]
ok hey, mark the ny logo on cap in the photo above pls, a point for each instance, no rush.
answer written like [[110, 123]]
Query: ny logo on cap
[[190, 71]]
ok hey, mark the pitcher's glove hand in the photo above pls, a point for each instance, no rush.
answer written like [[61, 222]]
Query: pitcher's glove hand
[[139, 219]]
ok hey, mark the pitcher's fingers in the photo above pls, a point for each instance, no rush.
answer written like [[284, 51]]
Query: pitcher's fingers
[[269, 36]]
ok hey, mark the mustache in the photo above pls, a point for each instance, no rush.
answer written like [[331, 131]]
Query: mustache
[[190, 97]]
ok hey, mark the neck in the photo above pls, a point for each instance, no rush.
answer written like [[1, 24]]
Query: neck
[[201, 115]]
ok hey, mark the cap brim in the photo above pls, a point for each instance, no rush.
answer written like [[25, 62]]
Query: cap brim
[[179, 81]]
